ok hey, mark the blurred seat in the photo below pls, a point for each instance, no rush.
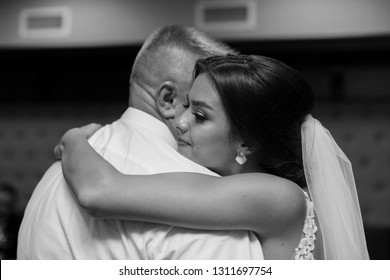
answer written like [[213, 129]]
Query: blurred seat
[[363, 132], [28, 135]]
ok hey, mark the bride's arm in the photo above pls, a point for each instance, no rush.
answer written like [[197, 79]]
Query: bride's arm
[[180, 199]]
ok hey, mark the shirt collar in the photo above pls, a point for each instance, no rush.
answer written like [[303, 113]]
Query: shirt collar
[[148, 122]]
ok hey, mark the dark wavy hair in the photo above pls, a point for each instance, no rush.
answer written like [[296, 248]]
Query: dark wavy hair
[[266, 102]]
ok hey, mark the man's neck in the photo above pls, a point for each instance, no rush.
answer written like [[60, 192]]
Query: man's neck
[[142, 98]]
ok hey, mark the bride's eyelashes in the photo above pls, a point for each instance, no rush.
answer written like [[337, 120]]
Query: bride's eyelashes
[[199, 115]]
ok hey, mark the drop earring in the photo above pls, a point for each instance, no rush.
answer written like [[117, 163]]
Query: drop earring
[[241, 158]]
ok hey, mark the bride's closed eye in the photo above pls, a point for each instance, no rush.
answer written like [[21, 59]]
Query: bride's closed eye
[[199, 115]]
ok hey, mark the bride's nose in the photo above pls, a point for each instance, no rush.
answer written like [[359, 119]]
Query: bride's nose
[[181, 123]]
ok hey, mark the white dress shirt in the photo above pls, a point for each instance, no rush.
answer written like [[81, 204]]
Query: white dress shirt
[[55, 227]]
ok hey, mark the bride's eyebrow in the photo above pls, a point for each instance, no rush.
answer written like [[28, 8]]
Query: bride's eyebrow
[[199, 103]]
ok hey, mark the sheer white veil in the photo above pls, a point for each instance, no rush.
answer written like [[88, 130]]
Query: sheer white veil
[[332, 188]]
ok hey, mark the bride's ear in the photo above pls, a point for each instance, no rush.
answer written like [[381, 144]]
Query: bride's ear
[[245, 149], [165, 99]]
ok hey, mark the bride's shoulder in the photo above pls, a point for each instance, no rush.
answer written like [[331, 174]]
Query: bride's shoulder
[[264, 182], [282, 200], [277, 191]]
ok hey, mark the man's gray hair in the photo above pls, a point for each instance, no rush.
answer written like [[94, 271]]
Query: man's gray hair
[[183, 37]]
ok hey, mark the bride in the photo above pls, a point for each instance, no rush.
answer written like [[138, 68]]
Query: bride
[[248, 118]]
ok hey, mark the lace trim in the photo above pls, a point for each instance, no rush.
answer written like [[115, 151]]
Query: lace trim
[[305, 249]]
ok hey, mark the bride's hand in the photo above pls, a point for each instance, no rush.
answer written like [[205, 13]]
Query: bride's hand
[[85, 131]]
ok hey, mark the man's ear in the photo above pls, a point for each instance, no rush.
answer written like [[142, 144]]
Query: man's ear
[[165, 99]]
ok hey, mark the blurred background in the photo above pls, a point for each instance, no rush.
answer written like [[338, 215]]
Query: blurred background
[[66, 63]]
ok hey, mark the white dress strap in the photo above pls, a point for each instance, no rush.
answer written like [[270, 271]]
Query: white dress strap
[[305, 249]]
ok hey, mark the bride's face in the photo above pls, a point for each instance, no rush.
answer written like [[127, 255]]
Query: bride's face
[[204, 129]]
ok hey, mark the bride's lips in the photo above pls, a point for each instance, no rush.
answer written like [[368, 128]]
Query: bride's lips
[[181, 141]]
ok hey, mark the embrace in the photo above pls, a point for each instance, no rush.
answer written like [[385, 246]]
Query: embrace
[[274, 173]]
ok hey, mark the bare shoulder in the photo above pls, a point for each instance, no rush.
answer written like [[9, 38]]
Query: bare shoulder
[[276, 203], [273, 187]]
